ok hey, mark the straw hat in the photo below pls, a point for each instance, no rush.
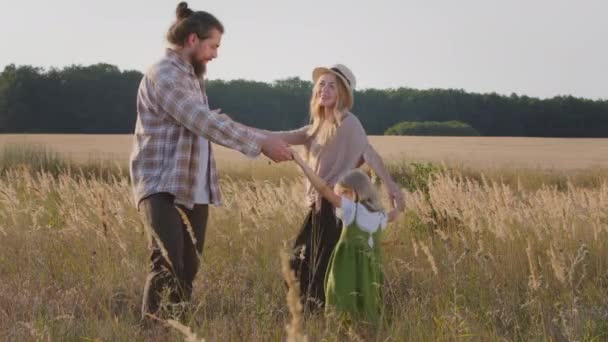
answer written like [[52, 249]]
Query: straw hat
[[342, 72]]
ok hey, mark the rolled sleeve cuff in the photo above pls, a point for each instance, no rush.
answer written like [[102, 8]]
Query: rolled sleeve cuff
[[253, 147]]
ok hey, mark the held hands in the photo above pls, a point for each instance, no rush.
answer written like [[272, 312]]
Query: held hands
[[395, 196], [272, 147], [276, 149], [397, 203]]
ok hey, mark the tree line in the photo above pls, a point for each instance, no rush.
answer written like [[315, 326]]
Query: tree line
[[100, 98]]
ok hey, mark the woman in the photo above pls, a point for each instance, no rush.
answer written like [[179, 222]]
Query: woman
[[335, 142]]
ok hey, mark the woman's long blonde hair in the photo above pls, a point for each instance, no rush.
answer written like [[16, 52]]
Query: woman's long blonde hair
[[321, 127], [360, 183]]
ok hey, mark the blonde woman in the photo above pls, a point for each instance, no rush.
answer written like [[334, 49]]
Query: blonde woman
[[334, 143]]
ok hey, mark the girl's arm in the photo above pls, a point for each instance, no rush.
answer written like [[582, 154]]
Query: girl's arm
[[317, 182]]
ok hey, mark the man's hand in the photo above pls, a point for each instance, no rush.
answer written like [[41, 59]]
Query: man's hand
[[276, 149]]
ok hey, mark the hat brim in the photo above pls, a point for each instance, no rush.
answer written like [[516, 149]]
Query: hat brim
[[317, 72]]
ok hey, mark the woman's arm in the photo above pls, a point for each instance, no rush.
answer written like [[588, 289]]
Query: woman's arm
[[293, 137], [317, 182], [375, 161], [394, 213]]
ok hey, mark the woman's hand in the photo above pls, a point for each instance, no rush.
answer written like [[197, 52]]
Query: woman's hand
[[396, 197]]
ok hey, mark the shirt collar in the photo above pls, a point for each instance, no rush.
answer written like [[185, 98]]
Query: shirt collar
[[179, 61]]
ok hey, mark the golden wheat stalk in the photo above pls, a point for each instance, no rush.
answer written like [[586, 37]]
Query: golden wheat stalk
[[429, 257], [295, 327], [189, 228], [188, 334], [162, 248], [534, 281]]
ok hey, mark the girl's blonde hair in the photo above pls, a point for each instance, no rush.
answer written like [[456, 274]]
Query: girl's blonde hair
[[360, 183], [321, 127]]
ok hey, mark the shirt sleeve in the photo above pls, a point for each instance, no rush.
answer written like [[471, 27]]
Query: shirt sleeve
[[346, 212], [183, 103]]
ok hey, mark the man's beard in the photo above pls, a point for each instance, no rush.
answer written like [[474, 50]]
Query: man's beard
[[199, 67]]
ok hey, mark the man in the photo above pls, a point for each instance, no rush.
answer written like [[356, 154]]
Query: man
[[172, 164]]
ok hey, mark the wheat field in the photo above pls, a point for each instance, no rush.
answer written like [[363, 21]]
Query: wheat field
[[487, 152], [474, 258]]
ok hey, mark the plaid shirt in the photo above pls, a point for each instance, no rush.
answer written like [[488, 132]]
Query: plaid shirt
[[172, 112]]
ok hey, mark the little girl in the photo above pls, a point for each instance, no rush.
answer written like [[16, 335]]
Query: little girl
[[354, 276]]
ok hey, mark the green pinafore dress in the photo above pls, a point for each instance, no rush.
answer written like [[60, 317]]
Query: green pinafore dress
[[354, 278]]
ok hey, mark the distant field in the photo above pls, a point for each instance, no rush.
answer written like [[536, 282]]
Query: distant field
[[545, 153], [503, 254]]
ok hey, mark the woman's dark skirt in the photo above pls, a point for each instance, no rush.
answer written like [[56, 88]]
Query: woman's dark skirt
[[314, 244]]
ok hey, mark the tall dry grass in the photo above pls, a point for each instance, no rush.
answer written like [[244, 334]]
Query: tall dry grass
[[471, 259]]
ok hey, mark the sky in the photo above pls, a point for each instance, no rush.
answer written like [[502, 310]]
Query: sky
[[540, 48]]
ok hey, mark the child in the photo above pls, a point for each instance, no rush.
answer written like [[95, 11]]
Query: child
[[354, 276]]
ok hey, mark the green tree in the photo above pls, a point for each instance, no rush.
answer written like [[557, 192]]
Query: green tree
[[446, 128]]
